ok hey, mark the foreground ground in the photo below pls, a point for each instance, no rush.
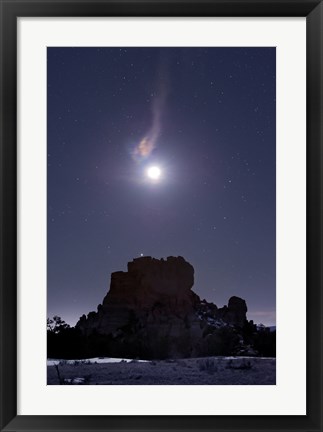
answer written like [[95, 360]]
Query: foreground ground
[[208, 370]]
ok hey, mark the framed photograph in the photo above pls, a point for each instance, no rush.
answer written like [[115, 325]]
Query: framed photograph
[[161, 215]]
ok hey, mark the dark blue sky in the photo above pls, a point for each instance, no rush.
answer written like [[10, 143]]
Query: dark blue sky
[[209, 116]]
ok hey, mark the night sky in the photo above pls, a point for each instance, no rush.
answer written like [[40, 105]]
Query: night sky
[[206, 118]]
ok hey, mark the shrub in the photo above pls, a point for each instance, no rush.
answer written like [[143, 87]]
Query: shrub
[[265, 343], [208, 365], [243, 364], [222, 341]]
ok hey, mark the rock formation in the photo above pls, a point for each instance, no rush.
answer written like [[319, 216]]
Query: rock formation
[[235, 312], [151, 311]]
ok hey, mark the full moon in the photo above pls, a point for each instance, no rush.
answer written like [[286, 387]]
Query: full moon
[[154, 172]]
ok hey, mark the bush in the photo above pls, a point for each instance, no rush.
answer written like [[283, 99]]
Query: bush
[[68, 343], [221, 342], [208, 365], [242, 364], [265, 343]]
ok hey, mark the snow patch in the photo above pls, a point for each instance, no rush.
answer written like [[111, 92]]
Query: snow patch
[[53, 362]]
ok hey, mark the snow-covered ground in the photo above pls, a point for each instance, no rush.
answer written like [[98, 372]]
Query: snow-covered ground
[[95, 360], [193, 371]]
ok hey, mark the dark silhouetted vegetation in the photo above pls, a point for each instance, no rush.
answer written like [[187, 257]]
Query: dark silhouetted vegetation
[[265, 343], [65, 342]]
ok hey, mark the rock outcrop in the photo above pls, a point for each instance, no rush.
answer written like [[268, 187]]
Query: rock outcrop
[[235, 312], [151, 311]]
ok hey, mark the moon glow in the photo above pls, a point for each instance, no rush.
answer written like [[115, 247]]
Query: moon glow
[[154, 172]]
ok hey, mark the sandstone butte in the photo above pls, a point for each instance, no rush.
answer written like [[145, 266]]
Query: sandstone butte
[[151, 311]]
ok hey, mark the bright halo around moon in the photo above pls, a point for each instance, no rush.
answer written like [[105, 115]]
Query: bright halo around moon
[[154, 172]]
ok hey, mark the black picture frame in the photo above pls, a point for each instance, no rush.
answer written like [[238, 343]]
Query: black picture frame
[[10, 11]]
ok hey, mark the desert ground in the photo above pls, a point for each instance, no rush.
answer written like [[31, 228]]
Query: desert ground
[[192, 371]]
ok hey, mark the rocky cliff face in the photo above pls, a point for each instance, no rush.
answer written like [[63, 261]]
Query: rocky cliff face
[[150, 280], [151, 311]]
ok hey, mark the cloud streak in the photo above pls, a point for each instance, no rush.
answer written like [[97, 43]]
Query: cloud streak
[[149, 141]]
